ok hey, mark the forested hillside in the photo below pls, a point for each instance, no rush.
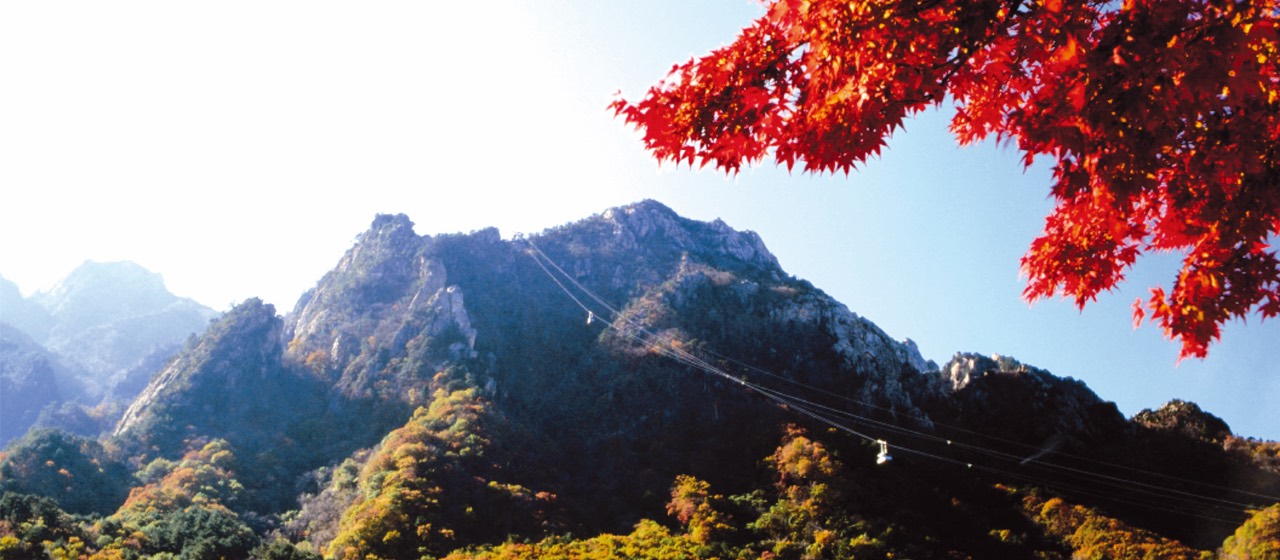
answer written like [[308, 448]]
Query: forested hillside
[[634, 385]]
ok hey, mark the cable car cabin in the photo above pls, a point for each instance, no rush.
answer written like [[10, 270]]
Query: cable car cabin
[[883, 456]]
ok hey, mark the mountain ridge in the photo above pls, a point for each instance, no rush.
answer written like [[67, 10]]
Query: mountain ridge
[[106, 324], [431, 382]]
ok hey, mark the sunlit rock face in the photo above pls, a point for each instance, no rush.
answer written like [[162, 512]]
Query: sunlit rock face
[[387, 292], [1017, 402], [1184, 418]]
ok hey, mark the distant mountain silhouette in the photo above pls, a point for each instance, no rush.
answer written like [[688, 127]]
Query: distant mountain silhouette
[[102, 322]]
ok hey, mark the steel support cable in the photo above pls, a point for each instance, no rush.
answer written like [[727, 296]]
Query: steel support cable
[[1057, 484], [995, 438], [1166, 495], [799, 404], [1117, 482], [690, 360], [813, 411], [1070, 489]]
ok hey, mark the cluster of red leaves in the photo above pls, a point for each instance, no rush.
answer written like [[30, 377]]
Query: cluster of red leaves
[[1162, 117]]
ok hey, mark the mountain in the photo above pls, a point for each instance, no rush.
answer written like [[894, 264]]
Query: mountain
[[108, 317], [107, 326], [657, 381], [31, 378], [19, 312]]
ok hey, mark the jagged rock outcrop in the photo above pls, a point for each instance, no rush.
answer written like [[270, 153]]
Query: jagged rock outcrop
[[1184, 418], [653, 224], [389, 297], [1002, 397]]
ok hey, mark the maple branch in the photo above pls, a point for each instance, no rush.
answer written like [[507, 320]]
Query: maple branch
[[964, 52]]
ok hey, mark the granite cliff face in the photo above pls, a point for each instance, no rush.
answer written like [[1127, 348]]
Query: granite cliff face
[[388, 296], [1005, 398]]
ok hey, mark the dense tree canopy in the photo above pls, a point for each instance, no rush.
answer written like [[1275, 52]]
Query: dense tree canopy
[[1257, 539], [1162, 118]]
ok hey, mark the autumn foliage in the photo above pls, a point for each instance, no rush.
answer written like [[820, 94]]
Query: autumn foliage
[[430, 486], [1162, 119], [1257, 539], [1090, 534]]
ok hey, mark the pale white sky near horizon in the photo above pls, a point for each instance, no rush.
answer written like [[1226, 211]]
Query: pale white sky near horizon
[[238, 148]]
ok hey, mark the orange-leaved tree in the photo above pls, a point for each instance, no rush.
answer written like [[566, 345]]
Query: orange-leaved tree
[[1162, 118]]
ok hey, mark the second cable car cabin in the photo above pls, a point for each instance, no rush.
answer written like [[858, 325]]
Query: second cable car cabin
[[883, 456]]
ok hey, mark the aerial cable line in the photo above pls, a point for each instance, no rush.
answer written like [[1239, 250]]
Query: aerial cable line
[[1114, 481], [654, 342], [557, 281], [688, 359], [987, 436], [1190, 500], [684, 357]]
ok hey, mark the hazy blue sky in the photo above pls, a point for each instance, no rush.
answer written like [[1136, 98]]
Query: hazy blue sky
[[239, 147]]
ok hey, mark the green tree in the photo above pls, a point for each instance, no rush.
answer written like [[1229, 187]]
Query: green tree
[[1257, 539], [649, 541], [75, 472], [26, 522], [808, 488], [432, 485], [281, 549], [197, 533]]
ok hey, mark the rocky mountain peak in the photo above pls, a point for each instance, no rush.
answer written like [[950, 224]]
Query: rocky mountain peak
[[383, 256], [237, 350], [607, 358], [650, 221], [107, 317], [388, 290], [1186, 418], [107, 326], [98, 292], [1003, 396], [389, 230]]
